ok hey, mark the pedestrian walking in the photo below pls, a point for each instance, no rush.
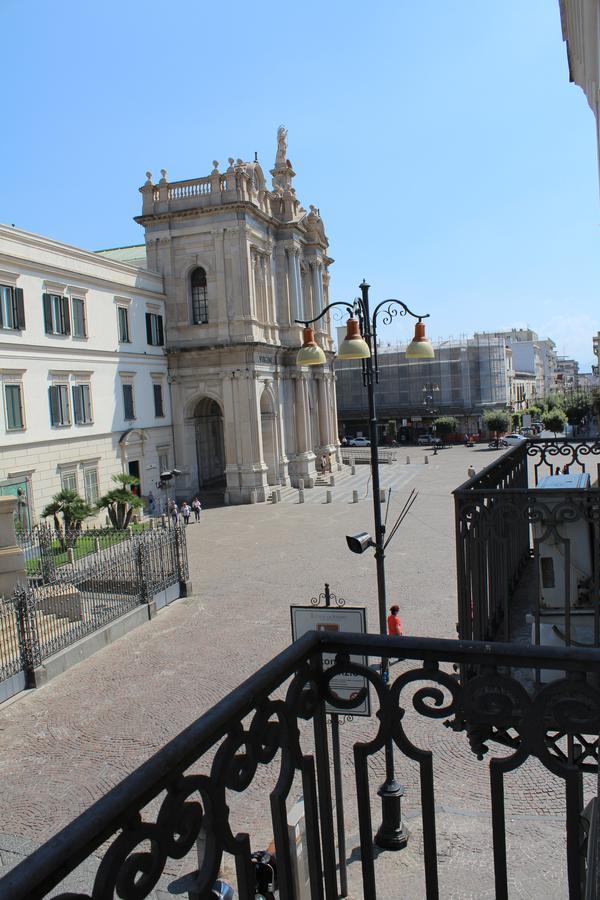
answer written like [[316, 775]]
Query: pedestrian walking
[[323, 464], [196, 507], [186, 511], [471, 472], [394, 623], [330, 463], [151, 504], [173, 512]]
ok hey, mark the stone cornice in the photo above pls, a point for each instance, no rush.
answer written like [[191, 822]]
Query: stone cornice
[[39, 269]]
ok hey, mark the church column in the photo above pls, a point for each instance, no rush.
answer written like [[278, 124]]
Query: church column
[[317, 288], [252, 470], [324, 429], [301, 466], [294, 279], [279, 388]]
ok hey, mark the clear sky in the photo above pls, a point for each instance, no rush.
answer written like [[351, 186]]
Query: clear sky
[[454, 165]]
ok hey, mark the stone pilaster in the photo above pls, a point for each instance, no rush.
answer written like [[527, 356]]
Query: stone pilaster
[[12, 560]]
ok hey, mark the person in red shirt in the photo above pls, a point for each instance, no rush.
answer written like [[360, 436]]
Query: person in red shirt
[[394, 624]]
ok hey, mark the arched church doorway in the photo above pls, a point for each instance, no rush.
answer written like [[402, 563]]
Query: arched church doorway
[[210, 448], [269, 436]]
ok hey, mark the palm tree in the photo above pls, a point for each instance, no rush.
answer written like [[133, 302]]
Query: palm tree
[[73, 509], [121, 502]]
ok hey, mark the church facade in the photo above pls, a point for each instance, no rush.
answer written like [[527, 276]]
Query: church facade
[[241, 262]]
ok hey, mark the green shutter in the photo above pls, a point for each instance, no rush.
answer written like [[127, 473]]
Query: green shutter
[[149, 327], [47, 313], [19, 309], [54, 405], [77, 404], [64, 316], [161, 336]]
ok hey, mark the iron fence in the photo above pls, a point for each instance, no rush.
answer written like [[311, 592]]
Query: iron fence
[[503, 521], [64, 603], [180, 798]]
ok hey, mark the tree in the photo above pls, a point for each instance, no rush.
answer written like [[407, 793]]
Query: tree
[[577, 407], [555, 420], [496, 420], [445, 425], [68, 510], [121, 502]]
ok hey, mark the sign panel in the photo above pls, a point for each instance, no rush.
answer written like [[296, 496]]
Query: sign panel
[[334, 618]]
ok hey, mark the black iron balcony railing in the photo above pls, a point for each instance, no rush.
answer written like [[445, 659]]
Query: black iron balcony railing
[[179, 800], [503, 521]]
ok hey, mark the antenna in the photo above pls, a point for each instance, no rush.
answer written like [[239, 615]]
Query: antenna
[[255, 156]]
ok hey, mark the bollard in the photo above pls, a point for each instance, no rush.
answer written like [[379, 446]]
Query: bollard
[[96, 545], [328, 496], [274, 497], [278, 492], [408, 460], [70, 555], [129, 532], [300, 495], [382, 493], [253, 496], [301, 484], [353, 470], [332, 480], [355, 496], [426, 460]]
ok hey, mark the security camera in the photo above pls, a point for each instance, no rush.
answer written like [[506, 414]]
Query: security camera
[[360, 542]]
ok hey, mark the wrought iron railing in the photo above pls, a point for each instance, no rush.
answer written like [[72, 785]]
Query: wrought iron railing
[[180, 799], [64, 603], [502, 520]]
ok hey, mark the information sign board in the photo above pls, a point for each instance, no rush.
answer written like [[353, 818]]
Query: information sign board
[[334, 618]]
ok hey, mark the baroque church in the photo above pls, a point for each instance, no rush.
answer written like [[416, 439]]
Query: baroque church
[[241, 262]]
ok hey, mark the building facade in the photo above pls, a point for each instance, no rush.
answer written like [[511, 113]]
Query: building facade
[[83, 372], [240, 263], [466, 378], [97, 349]]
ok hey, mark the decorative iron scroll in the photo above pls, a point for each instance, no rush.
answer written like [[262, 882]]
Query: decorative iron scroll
[[559, 725]]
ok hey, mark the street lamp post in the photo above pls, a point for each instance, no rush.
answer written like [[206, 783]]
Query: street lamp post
[[361, 343]]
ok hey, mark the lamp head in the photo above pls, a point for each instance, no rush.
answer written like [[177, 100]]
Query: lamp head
[[420, 347], [360, 542], [354, 345], [310, 354]]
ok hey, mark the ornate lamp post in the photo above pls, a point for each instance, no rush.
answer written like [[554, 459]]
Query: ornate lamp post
[[361, 343]]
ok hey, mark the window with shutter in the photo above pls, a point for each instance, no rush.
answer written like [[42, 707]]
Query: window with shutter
[[65, 320], [82, 407], [59, 405], [158, 401], [19, 309], [123, 323], [8, 318], [78, 317], [14, 407], [128, 409], [154, 330]]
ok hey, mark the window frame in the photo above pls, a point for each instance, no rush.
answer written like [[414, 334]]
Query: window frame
[[83, 386], [19, 385], [157, 414], [57, 318], [200, 301], [128, 384], [66, 473], [90, 470], [81, 300], [123, 312], [57, 386], [11, 308], [155, 333]]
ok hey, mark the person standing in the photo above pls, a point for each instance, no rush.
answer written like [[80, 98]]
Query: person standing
[[394, 623], [185, 512], [196, 506], [174, 511]]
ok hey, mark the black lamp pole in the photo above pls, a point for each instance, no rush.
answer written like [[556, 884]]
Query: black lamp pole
[[392, 835]]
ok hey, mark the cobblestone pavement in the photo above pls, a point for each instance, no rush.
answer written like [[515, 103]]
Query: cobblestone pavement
[[64, 745]]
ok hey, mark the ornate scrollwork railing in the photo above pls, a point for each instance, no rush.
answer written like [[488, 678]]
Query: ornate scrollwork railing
[[502, 518], [177, 800]]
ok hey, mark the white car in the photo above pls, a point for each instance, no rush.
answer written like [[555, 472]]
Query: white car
[[511, 440], [359, 442]]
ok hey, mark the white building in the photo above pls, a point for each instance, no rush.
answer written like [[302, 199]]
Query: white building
[[84, 387], [532, 356]]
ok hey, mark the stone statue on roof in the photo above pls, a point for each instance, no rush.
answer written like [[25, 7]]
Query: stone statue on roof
[[281, 158]]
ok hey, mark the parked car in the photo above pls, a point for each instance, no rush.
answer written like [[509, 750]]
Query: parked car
[[359, 442], [511, 440], [425, 440]]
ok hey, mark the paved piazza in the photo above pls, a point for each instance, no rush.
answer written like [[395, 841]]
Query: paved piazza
[[64, 745]]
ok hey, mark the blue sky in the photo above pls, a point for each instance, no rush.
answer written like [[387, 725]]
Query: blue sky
[[454, 165]]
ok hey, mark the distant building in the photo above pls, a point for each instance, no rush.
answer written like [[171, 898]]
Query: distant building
[[567, 374], [533, 355], [466, 378]]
